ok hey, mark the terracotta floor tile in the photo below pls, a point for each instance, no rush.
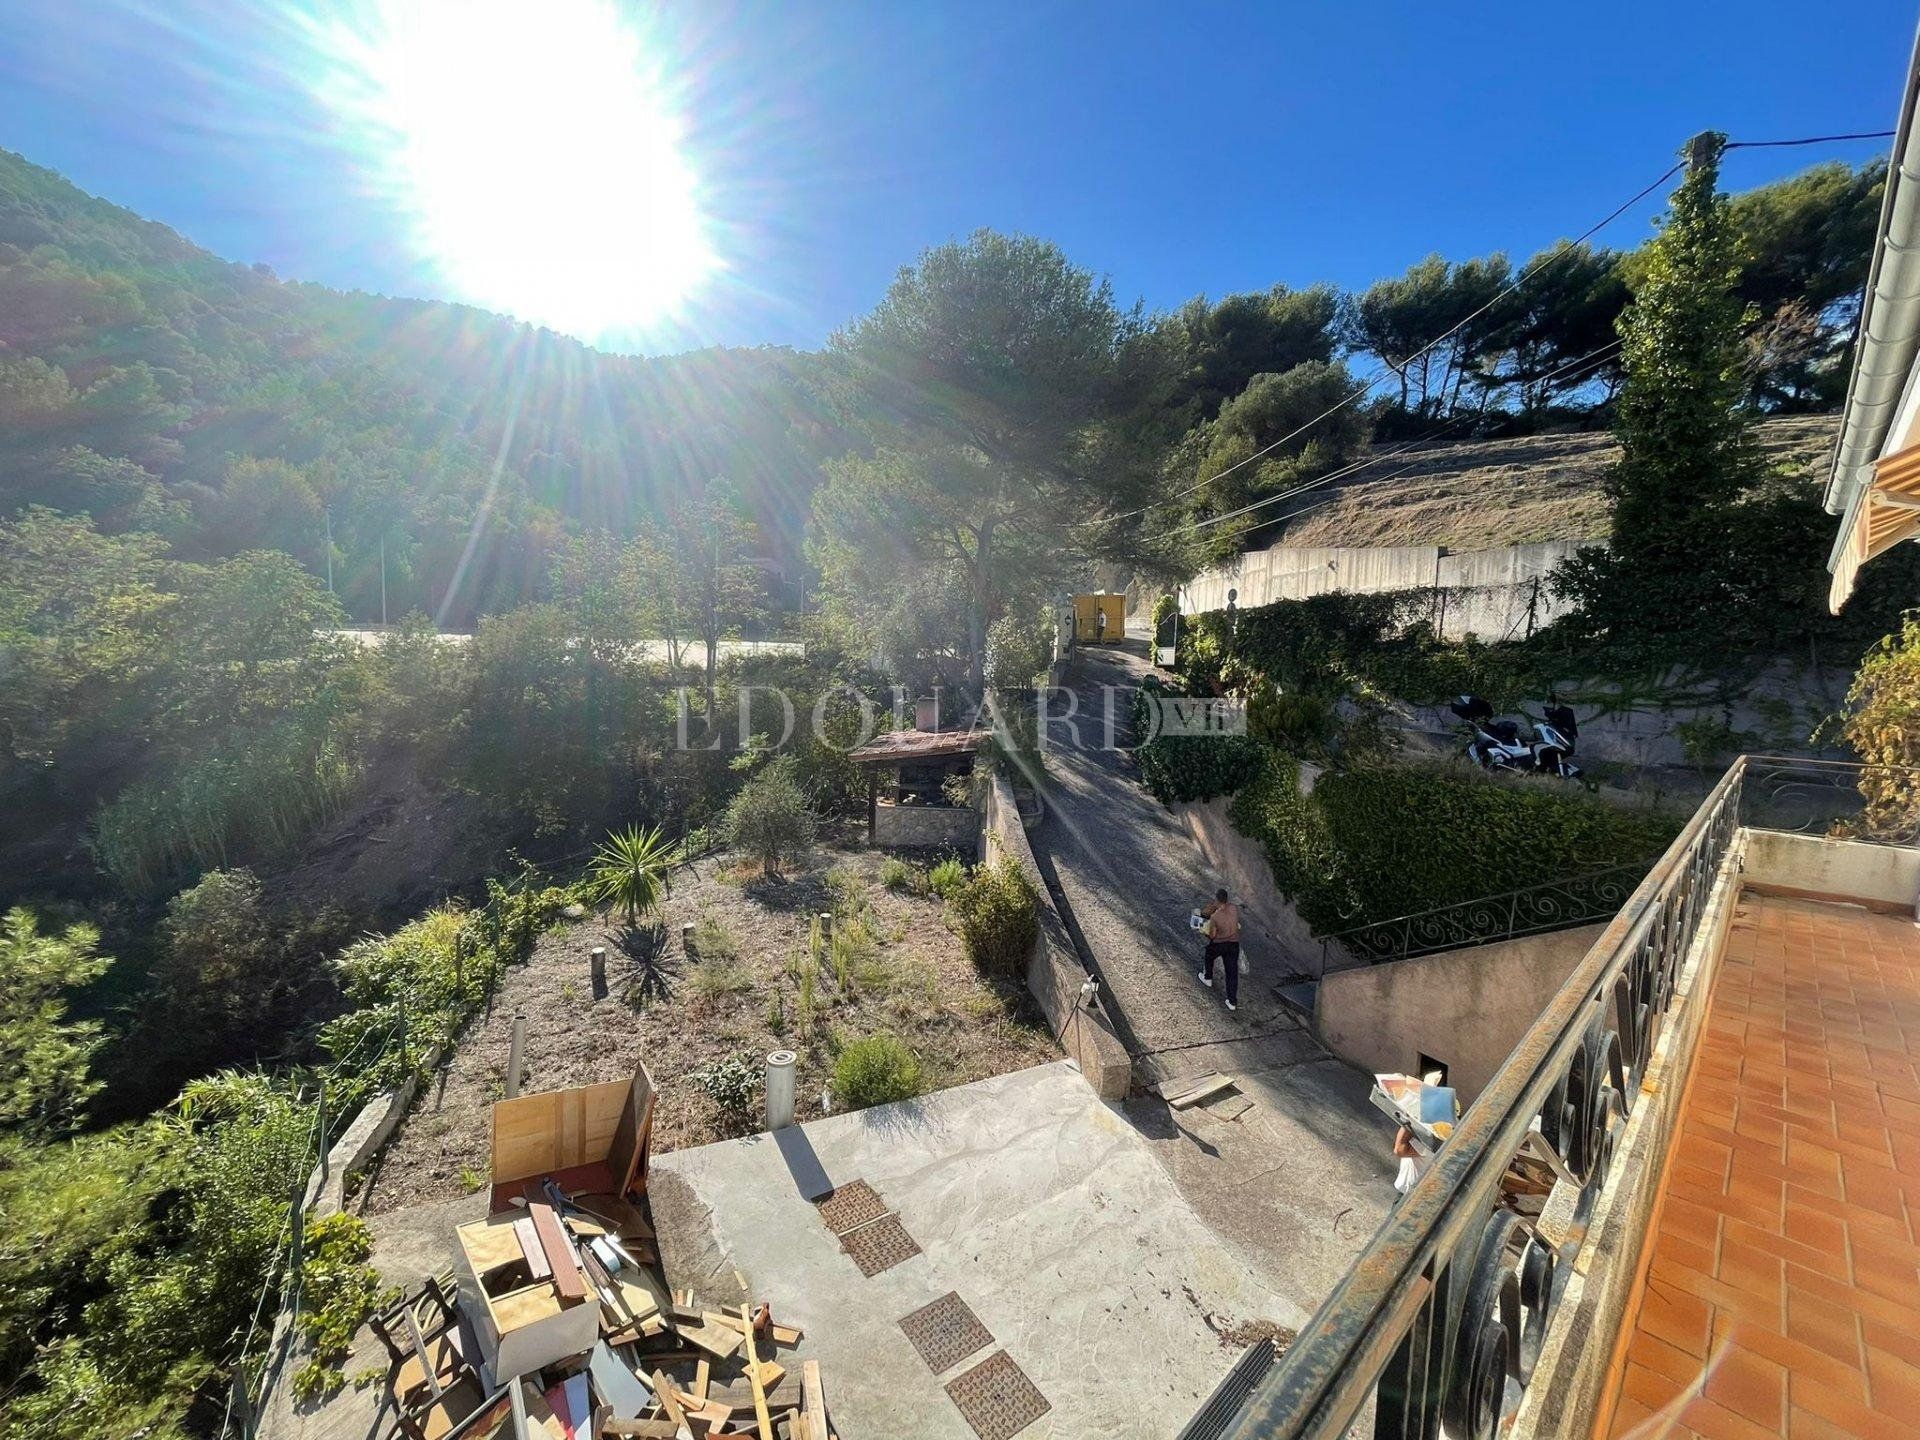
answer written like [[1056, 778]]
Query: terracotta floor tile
[[1749, 1385], [1787, 1248]]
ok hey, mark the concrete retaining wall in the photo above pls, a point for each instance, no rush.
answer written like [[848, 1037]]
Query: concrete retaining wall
[[1054, 974], [1495, 594], [1881, 876], [1277, 941], [1466, 1008]]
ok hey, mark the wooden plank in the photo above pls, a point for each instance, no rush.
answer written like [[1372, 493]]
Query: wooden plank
[[668, 1402], [702, 1377], [534, 1135], [717, 1340], [1200, 1091], [531, 1249], [632, 1135], [640, 1429], [813, 1403], [760, 1415], [566, 1274]]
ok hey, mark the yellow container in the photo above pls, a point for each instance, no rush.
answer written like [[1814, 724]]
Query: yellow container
[[1088, 611]]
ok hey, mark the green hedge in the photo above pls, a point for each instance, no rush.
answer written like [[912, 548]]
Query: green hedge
[[1372, 844], [1331, 643], [1190, 767]]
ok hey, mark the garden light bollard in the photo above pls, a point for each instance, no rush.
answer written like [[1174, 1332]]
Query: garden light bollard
[[780, 1082], [826, 925], [598, 961], [686, 938], [516, 1048]]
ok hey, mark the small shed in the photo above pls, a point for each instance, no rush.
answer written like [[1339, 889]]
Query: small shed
[[907, 802]]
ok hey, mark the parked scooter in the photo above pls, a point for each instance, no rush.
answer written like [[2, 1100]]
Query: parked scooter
[[1498, 745]]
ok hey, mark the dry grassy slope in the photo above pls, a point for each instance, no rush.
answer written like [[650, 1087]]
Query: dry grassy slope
[[1480, 494]]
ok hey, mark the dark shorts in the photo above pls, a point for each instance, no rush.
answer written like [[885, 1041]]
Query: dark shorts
[[1228, 950]]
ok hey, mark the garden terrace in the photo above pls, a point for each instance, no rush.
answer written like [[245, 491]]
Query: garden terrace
[[914, 811]]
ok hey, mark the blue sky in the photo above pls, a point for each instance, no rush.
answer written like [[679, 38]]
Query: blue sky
[[1179, 149]]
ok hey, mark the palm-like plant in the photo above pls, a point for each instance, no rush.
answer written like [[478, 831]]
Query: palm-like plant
[[630, 870]]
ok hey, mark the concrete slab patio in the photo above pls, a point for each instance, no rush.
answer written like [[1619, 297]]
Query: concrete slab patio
[[1038, 1204]]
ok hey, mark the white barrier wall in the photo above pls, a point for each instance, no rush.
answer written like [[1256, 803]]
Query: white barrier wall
[[1495, 594]]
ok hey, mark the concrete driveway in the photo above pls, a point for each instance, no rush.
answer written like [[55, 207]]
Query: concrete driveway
[[1034, 1201], [1300, 1182]]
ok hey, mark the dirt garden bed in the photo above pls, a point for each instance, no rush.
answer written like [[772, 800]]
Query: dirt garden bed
[[905, 975]]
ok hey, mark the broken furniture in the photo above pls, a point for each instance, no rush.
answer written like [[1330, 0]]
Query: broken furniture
[[522, 1279], [422, 1334]]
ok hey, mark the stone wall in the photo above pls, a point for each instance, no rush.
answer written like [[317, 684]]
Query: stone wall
[[1465, 1008], [1054, 973], [926, 827], [1881, 877], [1495, 594]]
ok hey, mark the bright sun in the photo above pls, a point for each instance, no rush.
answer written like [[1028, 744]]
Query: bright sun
[[536, 152]]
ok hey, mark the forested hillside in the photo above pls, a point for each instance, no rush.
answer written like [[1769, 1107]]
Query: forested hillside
[[156, 387]]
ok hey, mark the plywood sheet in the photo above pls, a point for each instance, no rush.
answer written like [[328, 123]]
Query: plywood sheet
[[535, 1135]]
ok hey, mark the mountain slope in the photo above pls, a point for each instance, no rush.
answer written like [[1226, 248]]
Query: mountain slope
[[159, 387]]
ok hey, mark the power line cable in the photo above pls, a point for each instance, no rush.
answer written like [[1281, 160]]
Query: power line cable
[[1808, 140], [1368, 460], [1533, 268]]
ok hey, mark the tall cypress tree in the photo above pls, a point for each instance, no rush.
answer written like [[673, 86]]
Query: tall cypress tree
[[1687, 454]]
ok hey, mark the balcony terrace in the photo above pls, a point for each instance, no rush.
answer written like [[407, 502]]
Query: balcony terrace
[[1727, 1095]]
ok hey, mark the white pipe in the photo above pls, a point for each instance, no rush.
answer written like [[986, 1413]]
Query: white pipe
[[780, 1081]]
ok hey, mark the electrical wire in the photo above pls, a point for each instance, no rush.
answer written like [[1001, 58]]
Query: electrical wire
[[1534, 267], [1370, 460], [1809, 140]]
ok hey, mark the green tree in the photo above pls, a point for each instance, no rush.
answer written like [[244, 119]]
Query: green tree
[[1219, 347], [1269, 439], [1683, 421], [769, 817], [1401, 318], [991, 379], [44, 1056]]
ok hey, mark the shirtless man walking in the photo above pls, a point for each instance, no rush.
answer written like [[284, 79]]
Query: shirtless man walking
[[1223, 941]]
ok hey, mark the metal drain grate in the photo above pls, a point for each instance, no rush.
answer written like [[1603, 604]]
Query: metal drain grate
[[945, 1332], [879, 1246], [846, 1206], [996, 1398]]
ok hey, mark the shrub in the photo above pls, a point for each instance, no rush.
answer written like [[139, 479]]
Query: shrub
[[630, 870], [1372, 844], [1190, 767], [998, 916], [717, 979], [946, 878], [876, 1070], [733, 1084], [339, 1290], [769, 818], [900, 877]]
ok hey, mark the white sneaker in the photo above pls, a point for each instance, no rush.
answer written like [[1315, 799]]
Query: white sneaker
[[1232, 1006], [1204, 978]]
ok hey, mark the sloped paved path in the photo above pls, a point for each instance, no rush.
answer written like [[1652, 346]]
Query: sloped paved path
[[1130, 875], [1300, 1182]]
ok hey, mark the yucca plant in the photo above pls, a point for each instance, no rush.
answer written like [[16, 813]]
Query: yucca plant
[[630, 871]]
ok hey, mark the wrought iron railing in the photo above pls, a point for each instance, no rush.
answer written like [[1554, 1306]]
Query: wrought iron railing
[[1438, 1324], [1879, 804], [1532, 910], [1440, 1320]]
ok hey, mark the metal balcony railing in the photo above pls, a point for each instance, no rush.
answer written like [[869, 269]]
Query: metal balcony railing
[[1531, 910], [1438, 1324]]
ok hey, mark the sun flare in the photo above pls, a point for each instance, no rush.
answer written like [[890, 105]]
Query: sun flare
[[536, 151]]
